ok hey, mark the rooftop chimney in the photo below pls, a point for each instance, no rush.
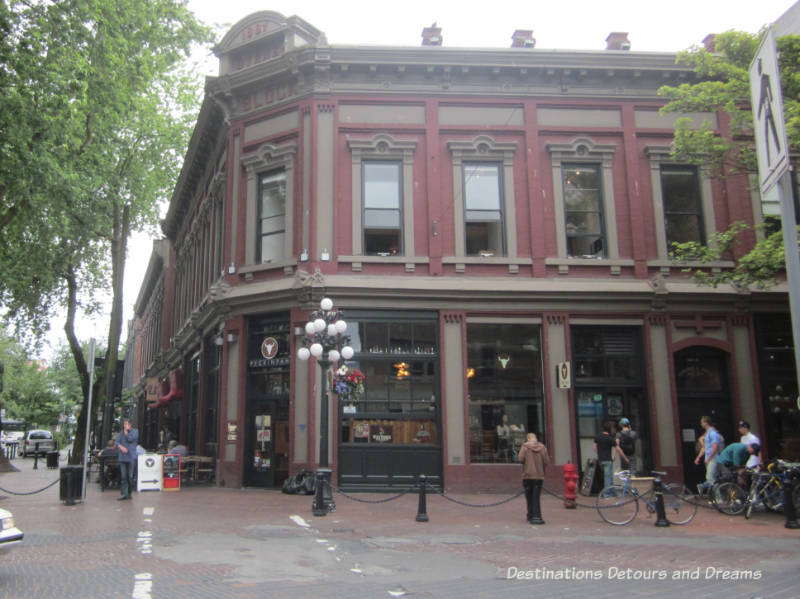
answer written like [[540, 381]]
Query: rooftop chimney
[[618, 40], [523, 38], [432, 36], [710, 42]]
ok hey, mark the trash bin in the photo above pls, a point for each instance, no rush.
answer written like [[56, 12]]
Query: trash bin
[[52, 459], [70, 487]]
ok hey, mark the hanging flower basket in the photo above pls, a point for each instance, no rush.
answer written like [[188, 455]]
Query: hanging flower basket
[[348, 384]]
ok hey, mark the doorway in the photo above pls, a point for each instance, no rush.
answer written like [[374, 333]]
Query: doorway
[[267, 444], [701, 380]]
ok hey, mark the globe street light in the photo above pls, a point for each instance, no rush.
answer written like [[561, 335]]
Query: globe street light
[[325, 340]]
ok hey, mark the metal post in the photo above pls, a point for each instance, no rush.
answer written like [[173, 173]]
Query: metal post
[[324, 364], [788, 219], [789, 508], [88, 421], [661, 513], [36, 456], [323, 497], [422, 510]]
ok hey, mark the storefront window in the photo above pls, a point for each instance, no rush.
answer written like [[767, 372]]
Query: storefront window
[[504, 373], [400, 400]]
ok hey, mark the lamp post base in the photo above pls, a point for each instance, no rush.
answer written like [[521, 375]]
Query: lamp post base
[[323, 496]]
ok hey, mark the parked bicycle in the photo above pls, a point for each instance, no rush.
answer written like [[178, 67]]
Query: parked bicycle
[[618, 504], [766, 489], [733, 498]]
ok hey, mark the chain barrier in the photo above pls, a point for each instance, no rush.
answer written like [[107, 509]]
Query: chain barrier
[[577, 503], [384, 500], [494, 504], [30, 492]]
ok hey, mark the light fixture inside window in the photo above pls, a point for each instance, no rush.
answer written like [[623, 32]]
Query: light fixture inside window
[[402, 370]]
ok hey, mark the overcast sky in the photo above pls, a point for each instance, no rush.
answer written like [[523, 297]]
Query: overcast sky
[[567, 24]]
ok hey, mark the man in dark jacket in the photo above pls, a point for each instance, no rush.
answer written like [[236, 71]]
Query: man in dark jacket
[[127, 440], [534, 459]]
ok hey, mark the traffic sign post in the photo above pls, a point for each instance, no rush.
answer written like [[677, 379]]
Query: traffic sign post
[[773, 165]]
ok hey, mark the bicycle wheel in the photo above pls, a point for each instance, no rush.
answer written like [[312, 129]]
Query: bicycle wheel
[[730, 499], [752, 500], [616, 505], [773, 496], [679, 504]]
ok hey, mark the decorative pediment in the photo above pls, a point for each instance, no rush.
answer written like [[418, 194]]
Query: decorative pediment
[[268, 156], [582, 148], [382, 144], [482, 147]]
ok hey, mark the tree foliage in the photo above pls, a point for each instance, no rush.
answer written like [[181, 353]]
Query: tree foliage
[[35, 391], [96, 108], [724, 88]]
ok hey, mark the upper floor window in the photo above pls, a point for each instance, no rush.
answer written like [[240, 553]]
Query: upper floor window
[[483, 214], [683, 214], [271, 216], [683, 203], [383, 222], [583, 211]]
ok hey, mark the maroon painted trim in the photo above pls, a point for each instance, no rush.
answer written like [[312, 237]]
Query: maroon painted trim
[[655, 444], [676, 414], [634, 203], [701, 341], [547, 381]]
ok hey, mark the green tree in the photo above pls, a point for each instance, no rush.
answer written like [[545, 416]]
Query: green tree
[[723, 87], [28, 393], [96, 107]]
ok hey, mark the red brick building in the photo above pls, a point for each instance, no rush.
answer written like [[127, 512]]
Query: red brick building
[[482, 217]]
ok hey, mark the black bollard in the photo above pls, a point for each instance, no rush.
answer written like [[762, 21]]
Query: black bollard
[[789, 508], [661, 513], [36, 456], [318, 505], [422, 510]]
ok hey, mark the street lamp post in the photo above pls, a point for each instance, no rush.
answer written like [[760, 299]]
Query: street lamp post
[[325, 340]]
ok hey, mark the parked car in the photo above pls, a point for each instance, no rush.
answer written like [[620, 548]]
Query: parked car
[[10, 535], [44, 439]]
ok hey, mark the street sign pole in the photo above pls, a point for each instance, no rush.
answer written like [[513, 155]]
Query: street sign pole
[[788, 218], [88, 422]]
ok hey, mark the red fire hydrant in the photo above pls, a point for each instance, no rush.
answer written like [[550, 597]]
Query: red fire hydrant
[[570, 485]]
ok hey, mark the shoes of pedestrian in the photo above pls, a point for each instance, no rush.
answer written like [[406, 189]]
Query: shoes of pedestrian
[[123, 497], [536, 521]]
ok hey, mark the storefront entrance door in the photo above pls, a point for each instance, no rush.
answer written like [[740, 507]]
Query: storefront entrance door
[[267, 445], [701, 376]]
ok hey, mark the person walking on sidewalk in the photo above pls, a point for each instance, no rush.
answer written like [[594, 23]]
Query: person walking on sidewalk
[[127, 440], [534, 459], [712, 447]]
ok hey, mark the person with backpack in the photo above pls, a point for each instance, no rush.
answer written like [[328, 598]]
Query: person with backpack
[[626, 445]]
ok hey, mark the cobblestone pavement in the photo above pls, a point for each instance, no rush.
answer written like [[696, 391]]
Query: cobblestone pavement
[[205, 542]]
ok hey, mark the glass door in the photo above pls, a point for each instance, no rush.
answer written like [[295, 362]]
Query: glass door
[[260, 453]]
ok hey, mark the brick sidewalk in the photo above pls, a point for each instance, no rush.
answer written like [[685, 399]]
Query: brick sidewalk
[[214, 542]]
